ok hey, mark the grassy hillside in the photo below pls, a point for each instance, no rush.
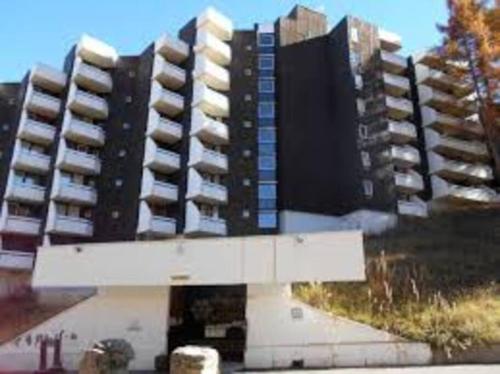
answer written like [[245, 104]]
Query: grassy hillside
[[434, 280]]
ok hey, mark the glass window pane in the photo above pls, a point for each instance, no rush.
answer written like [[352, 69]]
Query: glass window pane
[[266, 62], [267, 175], [267, 163], [266, 110], [267, 149], [267, 135], [267, 191], [266, 40], [267, 204], [268, 220], [266, 85]]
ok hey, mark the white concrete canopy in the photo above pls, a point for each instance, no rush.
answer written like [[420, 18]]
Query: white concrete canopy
[[334, 256]]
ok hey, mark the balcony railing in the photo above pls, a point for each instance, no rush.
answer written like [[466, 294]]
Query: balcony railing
[[389, 41], [396, 85], [88, 104], [451, 125], [30, 161], [443, 102], [15, 260], [160, 192], [203, 191], [442, 81], [78, 162], [96, 52], [43, 104], [398, 108], [36, 131], [168, 74], [404, 156], [47, 77], [207, 129], [393, 63], [415, 208], [198, 224], [410, 182], [163, 129], [402, 132], [166, 101], [69, 225], [25, 192], [210, 101], [172, 49], [215, 49], [443, 190], [156, 226], [159, 159], [215, 23], [15, 224], [207, 160], [211, 74], [82, 132], [456, 148], [74, 193], [92, 78], [459, 171]]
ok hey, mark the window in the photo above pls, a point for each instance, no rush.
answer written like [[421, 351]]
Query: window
[[368, 188], [355, 59], [268, 220], [245, 213], [131, 74], [365, 159], [122, 153], [249, 47], [247, 182], [360, 103], [126, 126], [5, 127], [12, 102], [358, 80], [247, 124], [267, 191], [267, 204], [248, 72], [266, 110], [266, 62], [266, 85], [128, 99], [363, 131], [267, 149], [118, 182], [267, 175], [354, 35], [266, 40], [247, 153], [267, 135], [248, 97], [115, 214], [267, 163]]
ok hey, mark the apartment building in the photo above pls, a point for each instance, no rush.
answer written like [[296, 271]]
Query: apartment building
[[286, 127]]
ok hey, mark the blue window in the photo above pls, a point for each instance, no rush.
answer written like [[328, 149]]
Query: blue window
[[267, 163], [267, 191], [266, 73], [267, 135], [266, 122], [267, 149], [268, 220], [266, 85], [266, 40], [267, 204], [266, 62], [267, 175], [266, 110]]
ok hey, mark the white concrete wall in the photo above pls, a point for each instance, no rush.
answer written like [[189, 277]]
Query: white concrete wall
[[282, 330], [138, 315], [370, 222]]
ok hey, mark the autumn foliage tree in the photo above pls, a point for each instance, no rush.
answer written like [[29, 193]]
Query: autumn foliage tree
[[472, 40]]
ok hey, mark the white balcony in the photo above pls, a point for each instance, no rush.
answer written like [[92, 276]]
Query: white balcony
[[91, 77], [76, 193], [206, 160], [96, 52], [82, 132], [14, 224], [443, 102], [15, 260], [216, 50], [166, 101], [396, 85], [402, 132], [198, 224], [69, 225], [409, 183], [203, 191], [35, 131], [389, 41], [155, 191], [398, 108], [432, 58], [48, 78], [42, 103], [210, 101], [456, 148], [87, 104], [415, 207], [30, 161], [216, 23], [404, 156], [459, 171], [441, 81], [159, 159], [446, 191], [77, 161], [393, 63], [162, 129], [451, 125], [24, 192], [168, 74], [174, 50], [153, 225], [211, 74], [207, 129]]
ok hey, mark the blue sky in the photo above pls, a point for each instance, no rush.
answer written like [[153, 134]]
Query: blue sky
[[44, 30]]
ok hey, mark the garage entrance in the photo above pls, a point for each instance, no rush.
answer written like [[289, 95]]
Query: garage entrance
[[211, 316]]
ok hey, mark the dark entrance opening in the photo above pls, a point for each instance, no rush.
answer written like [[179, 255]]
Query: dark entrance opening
[[211, 316]]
